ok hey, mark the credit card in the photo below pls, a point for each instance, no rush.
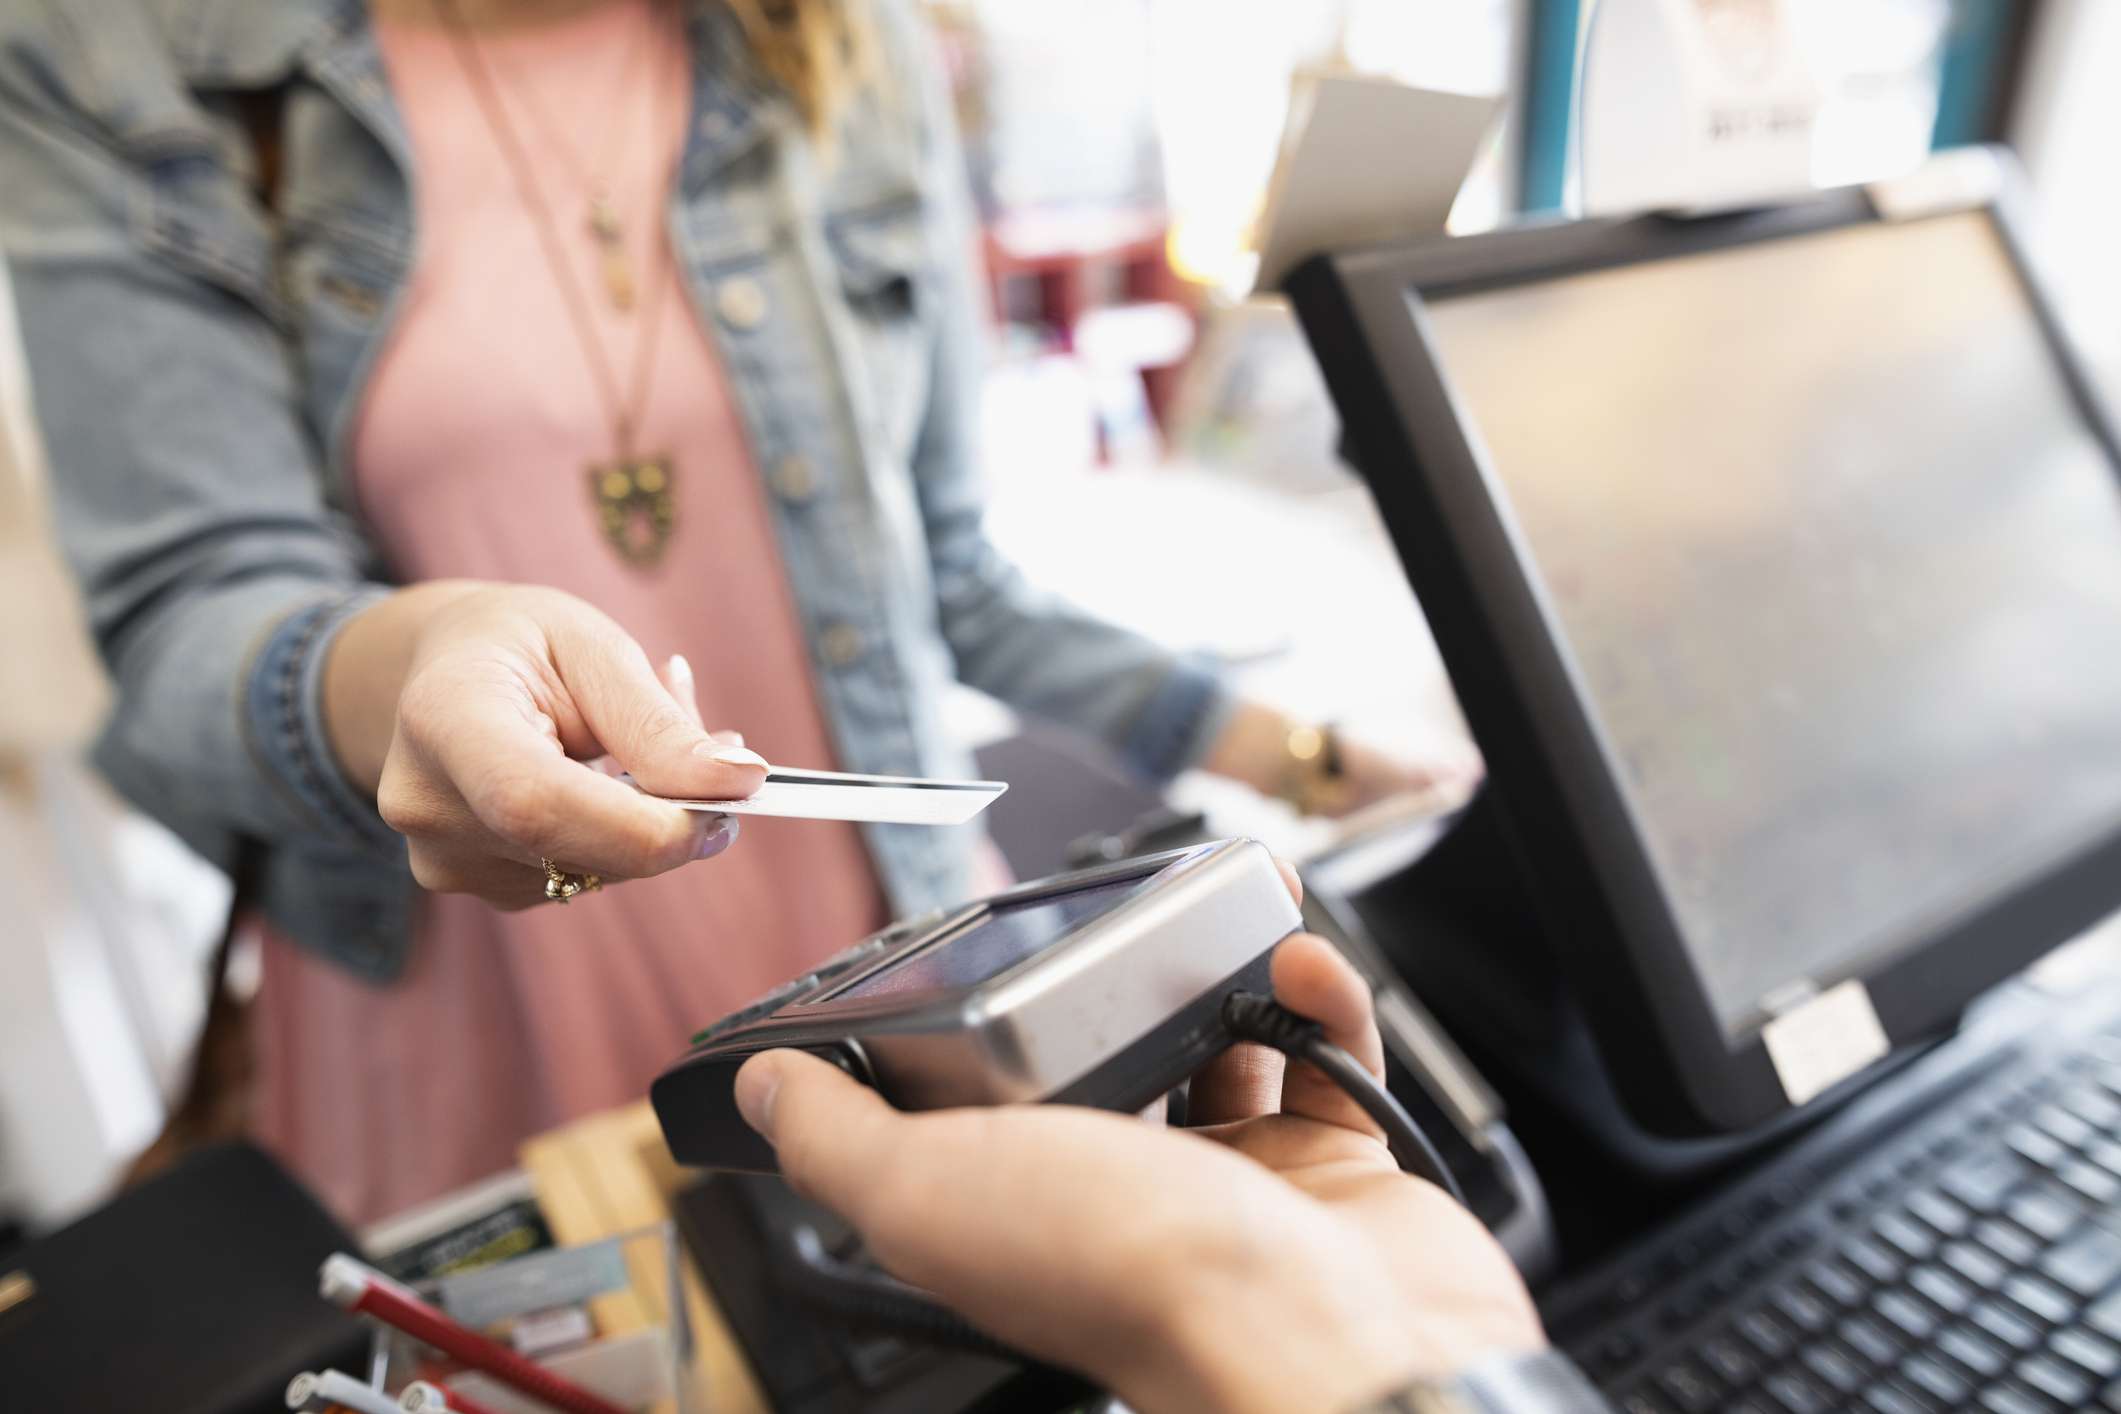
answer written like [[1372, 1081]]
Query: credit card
[[839, 795]]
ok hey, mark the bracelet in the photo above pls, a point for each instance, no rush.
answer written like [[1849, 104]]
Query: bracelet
[[1533, 1382], [1316, 780]]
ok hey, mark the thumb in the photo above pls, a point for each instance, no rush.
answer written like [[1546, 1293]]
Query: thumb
[[634, 718], [829, 1131]]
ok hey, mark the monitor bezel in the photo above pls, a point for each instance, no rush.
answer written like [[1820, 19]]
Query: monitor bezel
[[1597, 895]]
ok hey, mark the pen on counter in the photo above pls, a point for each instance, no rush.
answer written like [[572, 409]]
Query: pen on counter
[[355, 1286], [323, 1389], [421, 1397]]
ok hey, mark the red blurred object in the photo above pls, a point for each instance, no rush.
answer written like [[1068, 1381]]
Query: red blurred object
[[1072, 262]]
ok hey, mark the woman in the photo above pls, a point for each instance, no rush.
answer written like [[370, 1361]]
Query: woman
[[665, 310]]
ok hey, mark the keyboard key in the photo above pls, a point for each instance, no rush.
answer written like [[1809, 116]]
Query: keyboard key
[[1627, 1293], [2055, 1380], [2105, 1316], [2092, 1105], [1869, 1338], [2011, 1399], [1909, 1239], [1888, 1398], [2086, 1264], [2064, 1126], [1906, 1314], [1992, 1317], [1944, 1290], [2041, 1298], [1802, 1309], [1643, 1402], [1683, 1309], [2106, 1154], [1934, 1380], [1791, 1240], [1938, 1211], [1981, 1180], [1729, 1359], [1765, 1333], [2095, 1183], [2007, 1242], [1836, 1282], [1833, 1368], [1866, 1256], [2044, 1213], [1977, 1264], [1798, 1393], [2087, 1352], [2110, 1397], [1976, 1352], [1688, 1387], [2035, 1146]]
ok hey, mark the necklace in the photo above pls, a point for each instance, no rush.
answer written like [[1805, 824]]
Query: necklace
[[601, 216], [634, 494]]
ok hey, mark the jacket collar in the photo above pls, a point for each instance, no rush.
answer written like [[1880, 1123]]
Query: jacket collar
[[251, 43], [260, 43]]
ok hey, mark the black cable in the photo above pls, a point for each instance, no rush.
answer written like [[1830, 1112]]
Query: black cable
[[1251, 1017]]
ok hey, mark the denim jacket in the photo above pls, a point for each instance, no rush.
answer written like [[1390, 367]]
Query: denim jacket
[[197, 355]]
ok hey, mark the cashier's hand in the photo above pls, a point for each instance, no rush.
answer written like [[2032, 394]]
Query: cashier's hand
[[478, 713], [1277, 1260]]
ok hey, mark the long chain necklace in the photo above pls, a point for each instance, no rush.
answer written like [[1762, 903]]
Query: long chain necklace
[[635, 495]]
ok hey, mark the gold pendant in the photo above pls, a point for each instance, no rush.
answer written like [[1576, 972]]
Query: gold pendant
[[636, 505], [618, 279], [610, 237]]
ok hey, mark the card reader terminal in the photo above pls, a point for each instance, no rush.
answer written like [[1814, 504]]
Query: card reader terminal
[[1104, 987]]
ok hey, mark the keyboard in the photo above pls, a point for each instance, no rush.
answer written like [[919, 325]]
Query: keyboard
[[1962, 1252]]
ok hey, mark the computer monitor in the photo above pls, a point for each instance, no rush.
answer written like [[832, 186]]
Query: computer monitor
[[1777, 561]]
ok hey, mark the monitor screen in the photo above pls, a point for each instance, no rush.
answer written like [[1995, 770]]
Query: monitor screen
[[1835, 561], [1004, 936]]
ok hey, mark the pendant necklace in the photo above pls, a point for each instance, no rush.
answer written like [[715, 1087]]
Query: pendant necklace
[[634, 493]]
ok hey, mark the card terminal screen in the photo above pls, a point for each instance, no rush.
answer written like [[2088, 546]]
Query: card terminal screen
[[1004, 936]]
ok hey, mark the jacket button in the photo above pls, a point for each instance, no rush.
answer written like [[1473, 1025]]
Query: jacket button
[[794, 480], [841, 644], [741, 303]]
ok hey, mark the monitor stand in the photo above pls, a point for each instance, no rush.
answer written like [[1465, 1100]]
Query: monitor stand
[[1450, 909]]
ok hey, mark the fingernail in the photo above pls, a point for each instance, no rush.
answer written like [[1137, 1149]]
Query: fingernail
[[756, 1085], [728, 738], [728, 755], [717, 839], [680, 668]]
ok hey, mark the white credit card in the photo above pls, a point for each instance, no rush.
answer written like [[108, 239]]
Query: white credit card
[[838, 795]]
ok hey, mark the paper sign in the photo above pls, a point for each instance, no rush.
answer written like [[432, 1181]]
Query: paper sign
[[1694, 104], [1366, 160]]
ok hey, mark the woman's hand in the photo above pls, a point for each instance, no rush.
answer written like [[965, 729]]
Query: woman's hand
[[1276, 1260], [1254, 748], [471, 711]]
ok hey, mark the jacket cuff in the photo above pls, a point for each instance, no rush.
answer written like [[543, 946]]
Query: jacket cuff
[[1180, 722], [284, 720], [1540, 1382]]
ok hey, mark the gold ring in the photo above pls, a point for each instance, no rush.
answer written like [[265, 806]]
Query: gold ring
[[561, 886]]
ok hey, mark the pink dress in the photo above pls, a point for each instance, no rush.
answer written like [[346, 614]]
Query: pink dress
[[469, 461]]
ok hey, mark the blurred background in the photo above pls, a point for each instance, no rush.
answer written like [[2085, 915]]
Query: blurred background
[[1121, 152]]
